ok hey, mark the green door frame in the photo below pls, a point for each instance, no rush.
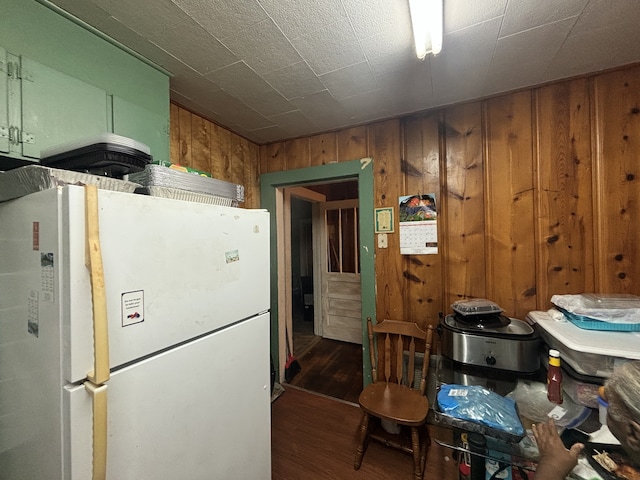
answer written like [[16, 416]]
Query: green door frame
[[362, 170]]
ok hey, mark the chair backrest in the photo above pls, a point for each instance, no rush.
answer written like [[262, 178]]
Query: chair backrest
[[402, 344]]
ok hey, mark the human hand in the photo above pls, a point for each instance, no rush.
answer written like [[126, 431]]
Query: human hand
[[556, 461]]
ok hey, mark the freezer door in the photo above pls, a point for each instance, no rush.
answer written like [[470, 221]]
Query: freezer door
[[173, 270], [198, 411]]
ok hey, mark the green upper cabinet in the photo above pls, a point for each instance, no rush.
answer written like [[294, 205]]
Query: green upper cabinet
[[57, 108], [4, 102], [133, 121], [61, 80]]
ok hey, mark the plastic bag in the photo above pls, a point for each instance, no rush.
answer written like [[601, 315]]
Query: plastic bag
[[612, 309], [477, 404]]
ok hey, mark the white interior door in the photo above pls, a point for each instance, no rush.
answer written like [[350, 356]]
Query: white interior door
[[340, 271]]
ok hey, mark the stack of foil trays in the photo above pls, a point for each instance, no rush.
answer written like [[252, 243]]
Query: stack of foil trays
[[34, 178], [161, 181]]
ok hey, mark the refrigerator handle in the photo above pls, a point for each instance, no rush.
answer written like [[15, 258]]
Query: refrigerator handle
[[93, 259], [99, 404]]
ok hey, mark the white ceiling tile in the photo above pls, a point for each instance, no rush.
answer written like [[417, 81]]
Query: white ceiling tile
[[349, 81], [240, 81], [294, 81], [459, 14], [297, 18], [263, 47], [371, 17], [205, 55], [293, 121], [390, 53], [321, 108], [156, 17], [545, 40], [526, 14], [271, 103], [330, 48], [223, 19]]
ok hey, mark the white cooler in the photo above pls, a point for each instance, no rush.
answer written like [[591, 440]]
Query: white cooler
[[589, 352]]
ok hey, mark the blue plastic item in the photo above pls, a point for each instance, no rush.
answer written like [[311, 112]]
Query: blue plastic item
[[477, 404], [587, 323]]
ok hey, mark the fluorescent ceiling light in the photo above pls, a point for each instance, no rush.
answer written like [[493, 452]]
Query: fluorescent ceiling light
[[426, 19]]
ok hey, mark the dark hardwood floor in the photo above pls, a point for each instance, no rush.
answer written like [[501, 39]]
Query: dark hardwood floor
[[314, 437], [331, 368]]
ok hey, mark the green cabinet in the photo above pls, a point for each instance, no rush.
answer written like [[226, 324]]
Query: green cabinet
[[72, 82], [57, 108], [42, 107], [133, 121]]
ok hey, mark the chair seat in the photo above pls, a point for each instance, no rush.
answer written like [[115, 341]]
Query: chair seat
[[395, 402]]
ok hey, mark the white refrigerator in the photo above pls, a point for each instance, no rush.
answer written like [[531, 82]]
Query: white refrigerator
[[184, 335]]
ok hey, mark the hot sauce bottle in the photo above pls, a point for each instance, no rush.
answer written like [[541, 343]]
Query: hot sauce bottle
[[554, 378]]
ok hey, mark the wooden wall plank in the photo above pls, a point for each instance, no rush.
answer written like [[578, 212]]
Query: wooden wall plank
[[384, 146], [323, 149], [564, 239], [421, 171], [200, 144], [273, 157], [298, 154], [353, 144], [509, 204], [184, 127], [617, 102], [217, 152], [237, 158], [463, 206], [252, 177], [174, 132]]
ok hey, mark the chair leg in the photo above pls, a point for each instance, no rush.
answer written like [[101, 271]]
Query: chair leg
[[362, 445], [415, 446], [426, 442]]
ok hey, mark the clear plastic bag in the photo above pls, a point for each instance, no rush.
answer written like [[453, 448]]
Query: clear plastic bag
[[604, 308]]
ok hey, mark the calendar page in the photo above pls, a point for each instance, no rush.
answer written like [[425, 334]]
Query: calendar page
[[418, 225]]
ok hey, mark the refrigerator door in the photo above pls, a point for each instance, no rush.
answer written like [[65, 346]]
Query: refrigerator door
[[173, 270], [197, 411]]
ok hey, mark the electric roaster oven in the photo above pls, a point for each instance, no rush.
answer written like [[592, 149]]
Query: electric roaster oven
[[477, 334]]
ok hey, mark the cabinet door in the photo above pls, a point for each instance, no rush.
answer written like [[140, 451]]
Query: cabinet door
[[57, 108], [138, 123], [4, 101]]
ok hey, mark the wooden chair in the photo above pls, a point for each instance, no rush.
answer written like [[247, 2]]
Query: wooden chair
[[396, 394]]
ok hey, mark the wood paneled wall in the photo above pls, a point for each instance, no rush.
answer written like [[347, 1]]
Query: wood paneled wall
[[198, 143], [538, 191]]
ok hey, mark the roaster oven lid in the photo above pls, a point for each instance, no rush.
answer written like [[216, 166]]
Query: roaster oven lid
[[476, 306], [499, 325]]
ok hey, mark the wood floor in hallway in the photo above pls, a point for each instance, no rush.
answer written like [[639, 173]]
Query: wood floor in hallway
[[332, 368], [314, 437]]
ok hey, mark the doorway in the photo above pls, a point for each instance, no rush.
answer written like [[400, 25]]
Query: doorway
[[322, 252], [273, 187]]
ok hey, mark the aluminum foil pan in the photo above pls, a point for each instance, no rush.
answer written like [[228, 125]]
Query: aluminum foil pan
[[160, 176], [178, 194], [34, 178]]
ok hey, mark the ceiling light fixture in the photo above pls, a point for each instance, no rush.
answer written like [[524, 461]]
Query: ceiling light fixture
[[426, 19]]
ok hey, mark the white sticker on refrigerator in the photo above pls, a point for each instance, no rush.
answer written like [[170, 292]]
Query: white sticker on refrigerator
[[33, 314], [232, 256], [132, 307], [47, 277]]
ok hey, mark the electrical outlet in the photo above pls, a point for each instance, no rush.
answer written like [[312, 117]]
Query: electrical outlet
[[382, 240]]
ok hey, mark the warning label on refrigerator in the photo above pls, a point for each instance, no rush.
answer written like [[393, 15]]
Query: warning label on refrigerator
[[132, 307]]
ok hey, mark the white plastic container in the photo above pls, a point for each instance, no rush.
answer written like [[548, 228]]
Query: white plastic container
[[588, 352]]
